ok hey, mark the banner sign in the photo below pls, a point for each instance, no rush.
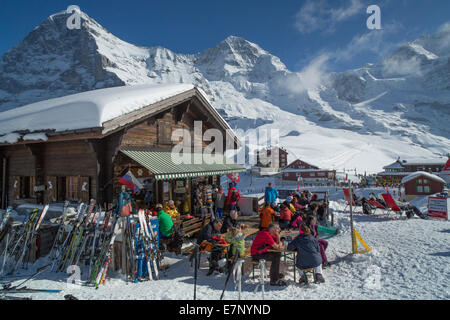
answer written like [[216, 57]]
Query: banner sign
[[438, 207], [39, 188]]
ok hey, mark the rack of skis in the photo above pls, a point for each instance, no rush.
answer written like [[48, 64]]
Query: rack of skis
[[86, 240]]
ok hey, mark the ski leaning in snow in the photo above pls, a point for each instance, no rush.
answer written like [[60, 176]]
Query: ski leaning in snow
[[17, 238], [30, 234], [5, 219], [105, 258], [71, 238], [59, 233], [80, 233], [156, 253], [149, 246]]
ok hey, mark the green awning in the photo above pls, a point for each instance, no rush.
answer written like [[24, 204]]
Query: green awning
[[170, 166]]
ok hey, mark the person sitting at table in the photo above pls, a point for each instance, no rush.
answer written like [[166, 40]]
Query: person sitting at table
[[165, 223], [236, 238], [288, 203], [297, 221], [303, 201], [267, 216], [211, 233], [172, 210], [269, 239], [285, 216], [308, 253], [312, 210], [311, 222], [231, 221], [295, 202]]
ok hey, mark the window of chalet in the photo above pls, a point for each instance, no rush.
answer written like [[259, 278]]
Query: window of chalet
[[26, 186], [164, 133], [77, 188], [419, 189], [426, 189]]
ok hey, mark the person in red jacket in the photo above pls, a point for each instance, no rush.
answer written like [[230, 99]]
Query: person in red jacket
[[264, 241], [233, 196], [285, 216]]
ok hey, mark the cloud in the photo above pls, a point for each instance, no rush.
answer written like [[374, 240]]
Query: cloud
[[445, 27], [316, 15], [375, 42], [444, 31], [310, 77], [401, 67]]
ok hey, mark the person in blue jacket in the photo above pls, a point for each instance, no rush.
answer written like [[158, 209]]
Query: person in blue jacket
[[308, 252], [271, 194]]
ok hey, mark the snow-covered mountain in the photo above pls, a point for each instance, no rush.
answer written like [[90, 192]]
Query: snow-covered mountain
[[361, 118]]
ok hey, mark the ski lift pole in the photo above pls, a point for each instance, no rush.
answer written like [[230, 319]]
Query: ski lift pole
[[351, 218]]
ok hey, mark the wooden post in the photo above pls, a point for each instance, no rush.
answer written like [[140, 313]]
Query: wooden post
[[351, 217]]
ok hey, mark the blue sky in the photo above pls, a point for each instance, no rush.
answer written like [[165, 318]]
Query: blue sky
[[298, 32]]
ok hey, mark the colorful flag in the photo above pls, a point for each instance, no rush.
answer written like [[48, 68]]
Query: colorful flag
[[234, 177], [130, 181], [447, 166]]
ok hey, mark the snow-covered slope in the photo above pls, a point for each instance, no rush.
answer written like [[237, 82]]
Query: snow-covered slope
[[361, 118]]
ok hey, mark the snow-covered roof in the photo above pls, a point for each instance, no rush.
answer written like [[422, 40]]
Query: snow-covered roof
[[417, 174], [85, 110], [395, 165], [440, 161], [390, 173]]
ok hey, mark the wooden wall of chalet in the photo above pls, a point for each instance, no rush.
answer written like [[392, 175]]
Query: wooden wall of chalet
[[156, 133], [74, 159], [20, 163], [45, 164]]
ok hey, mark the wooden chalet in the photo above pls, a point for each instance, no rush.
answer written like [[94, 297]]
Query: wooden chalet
[[421, 183], [300, 170], [396, 171], [44, 165]]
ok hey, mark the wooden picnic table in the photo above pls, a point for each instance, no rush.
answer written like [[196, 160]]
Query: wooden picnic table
[[286, 254]]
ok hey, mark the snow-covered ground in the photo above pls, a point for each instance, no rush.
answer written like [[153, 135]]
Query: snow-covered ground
[[409, 260]]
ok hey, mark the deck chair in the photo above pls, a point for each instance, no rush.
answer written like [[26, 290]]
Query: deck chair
[[393, 206], [347, 198], [377, 205]]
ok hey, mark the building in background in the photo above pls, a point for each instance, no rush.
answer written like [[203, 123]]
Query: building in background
[[270, 161], [395, 172], [273, 157], [304, 172], [421, 183]]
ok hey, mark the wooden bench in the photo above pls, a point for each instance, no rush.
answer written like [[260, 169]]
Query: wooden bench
[[193, 226]]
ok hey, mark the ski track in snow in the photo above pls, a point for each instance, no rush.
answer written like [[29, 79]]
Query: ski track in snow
[[411, 258]]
